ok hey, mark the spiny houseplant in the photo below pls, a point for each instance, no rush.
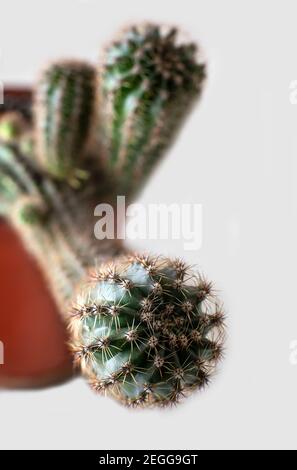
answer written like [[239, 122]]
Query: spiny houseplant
[[145, 330]]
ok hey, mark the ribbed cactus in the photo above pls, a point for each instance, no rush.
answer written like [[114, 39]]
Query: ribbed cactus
[[147, 330], [147, 86], [64, 114], [14, 181]]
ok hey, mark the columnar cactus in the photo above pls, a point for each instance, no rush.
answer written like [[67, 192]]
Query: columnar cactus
[[65, 105], [145, 330], [147, 86]]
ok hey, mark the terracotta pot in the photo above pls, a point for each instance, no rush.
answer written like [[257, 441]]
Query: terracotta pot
[[32, 334]]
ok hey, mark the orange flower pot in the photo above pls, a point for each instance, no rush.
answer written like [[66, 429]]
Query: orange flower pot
[[33, 338]]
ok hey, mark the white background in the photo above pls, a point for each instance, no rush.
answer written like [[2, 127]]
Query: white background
[[237, 156]]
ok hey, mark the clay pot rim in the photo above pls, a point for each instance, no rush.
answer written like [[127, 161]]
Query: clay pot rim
[[50, 379]]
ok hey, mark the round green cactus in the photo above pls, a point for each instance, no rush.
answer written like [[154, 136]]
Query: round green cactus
[[147, 330], [64, 111], [148, 83]]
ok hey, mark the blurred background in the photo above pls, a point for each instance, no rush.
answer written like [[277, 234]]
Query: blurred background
[[237, 157]]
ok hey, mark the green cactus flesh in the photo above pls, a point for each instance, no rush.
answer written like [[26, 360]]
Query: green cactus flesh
[[64, 111], [13, 177], [146, 330], [11, 126], [148, 84]]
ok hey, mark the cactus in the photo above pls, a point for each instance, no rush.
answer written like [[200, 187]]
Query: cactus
[[147, 86], [14, 179], [12, 126], [64, 110], [146, 330]]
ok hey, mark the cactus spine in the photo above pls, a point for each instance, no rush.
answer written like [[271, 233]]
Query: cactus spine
[[65, 104], [147, 86]]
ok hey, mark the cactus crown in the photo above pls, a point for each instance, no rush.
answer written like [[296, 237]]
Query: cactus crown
[[145, 53], [147, 330]]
